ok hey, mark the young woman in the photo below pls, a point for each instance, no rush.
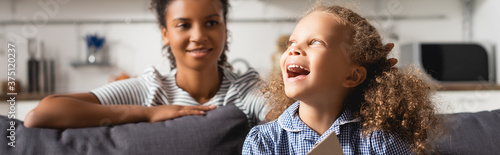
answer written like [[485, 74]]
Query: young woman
[[195, 35]]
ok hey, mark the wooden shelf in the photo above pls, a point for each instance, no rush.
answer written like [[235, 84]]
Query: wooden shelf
[[83, 64], [24, 96], [467, 86]]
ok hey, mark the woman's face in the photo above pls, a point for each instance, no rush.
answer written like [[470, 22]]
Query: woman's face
[[196, 32], [315, 63]]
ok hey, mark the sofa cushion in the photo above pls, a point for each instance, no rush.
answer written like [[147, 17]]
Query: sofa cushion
[[220, 131], [471, 133]]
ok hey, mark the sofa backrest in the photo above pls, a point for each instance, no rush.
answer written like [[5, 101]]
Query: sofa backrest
[[220, 131], [470, 133]]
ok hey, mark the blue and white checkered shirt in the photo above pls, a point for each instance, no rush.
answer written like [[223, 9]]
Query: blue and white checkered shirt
[[289, 135]]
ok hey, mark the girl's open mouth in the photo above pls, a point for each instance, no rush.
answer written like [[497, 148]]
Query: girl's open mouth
[[297, 72]]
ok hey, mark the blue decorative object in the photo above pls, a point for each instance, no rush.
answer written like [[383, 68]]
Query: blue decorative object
[[94, 43]]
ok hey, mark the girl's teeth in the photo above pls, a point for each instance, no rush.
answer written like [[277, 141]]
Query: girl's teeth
[[304, 68], [297, 66]]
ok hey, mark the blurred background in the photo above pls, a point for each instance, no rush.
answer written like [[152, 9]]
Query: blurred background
[[77, 45]]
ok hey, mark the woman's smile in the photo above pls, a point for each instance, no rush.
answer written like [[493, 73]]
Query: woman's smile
[[199, 52]]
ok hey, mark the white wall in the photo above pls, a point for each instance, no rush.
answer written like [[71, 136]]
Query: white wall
[[133, 46], [486, 25], [467, 101]]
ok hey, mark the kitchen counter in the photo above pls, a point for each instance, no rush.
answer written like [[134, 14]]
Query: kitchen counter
[[467, 86], [24, 96]]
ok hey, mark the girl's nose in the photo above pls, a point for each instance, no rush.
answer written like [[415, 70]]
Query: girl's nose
[[198, 34], [295, 51]]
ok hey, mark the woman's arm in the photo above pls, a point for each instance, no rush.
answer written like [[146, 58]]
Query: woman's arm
[[85, 110]]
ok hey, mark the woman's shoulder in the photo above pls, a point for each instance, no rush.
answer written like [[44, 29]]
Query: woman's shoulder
[[249, 76], [150, 79], [151, 74], [243, 84], [151, 70]]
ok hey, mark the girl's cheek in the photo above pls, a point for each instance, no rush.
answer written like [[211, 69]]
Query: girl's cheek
[[283, 59], [282, 62]]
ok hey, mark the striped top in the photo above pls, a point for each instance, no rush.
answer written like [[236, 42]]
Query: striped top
[[289, 135], [152, 89]]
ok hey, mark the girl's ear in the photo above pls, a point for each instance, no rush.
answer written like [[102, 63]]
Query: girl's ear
[[164, 35], [356, 76]]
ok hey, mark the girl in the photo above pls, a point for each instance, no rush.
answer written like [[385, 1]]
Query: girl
[[195, 35], [336, 67]]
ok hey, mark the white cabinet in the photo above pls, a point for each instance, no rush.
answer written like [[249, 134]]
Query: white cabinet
[[4, 108], [21, 108], [467, 101]]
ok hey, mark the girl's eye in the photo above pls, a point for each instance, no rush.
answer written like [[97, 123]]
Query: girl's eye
[[316, 42], [212, 23]]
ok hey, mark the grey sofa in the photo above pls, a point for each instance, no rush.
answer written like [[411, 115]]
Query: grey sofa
[[221, 131], [470, 134]]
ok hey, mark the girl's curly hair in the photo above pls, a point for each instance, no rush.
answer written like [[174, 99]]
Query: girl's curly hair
[[391, 100], [160, 8]]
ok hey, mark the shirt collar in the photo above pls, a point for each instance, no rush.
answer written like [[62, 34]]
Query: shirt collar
[[287, 120], [291, 122], [344, 118]]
